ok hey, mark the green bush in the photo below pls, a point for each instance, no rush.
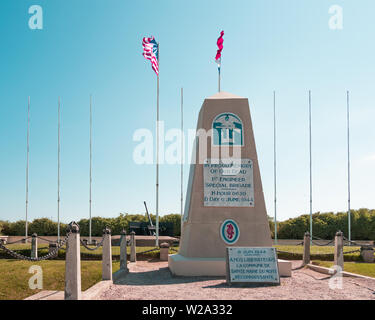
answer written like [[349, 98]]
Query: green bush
[[176, 220], [15, 228], [325, 225], [46, 227]]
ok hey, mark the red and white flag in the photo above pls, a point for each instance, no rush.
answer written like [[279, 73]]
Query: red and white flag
[[220, 41]]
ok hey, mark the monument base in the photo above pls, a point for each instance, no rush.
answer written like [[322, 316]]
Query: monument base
[[212, 267]]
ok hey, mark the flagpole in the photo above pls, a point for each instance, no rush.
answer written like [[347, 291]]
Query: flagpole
[[274, 160], [349, 212], [58, 171], [218, 57], [27, 167], [219, 76], [311, 231], [90, 191], [182, 149], [157, 154]]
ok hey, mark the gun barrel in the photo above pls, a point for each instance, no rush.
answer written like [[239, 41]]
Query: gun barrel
[[149, 218]]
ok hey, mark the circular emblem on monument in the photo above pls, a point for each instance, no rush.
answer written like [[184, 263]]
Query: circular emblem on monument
[[229, 231]]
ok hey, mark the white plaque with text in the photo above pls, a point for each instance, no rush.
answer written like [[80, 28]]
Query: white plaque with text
[[252, 264], [228, 183]]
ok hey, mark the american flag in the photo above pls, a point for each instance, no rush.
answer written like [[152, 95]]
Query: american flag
[[151, 52]]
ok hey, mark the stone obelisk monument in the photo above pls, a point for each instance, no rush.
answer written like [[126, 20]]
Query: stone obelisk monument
[[224, 201]]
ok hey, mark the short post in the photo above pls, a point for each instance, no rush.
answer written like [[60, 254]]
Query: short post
[[123, 252], [52, 247], [164, 249], [34, 246], [73, 264], [367, 254], [339, 250], [306, 248], [107, 255], [133, 256]]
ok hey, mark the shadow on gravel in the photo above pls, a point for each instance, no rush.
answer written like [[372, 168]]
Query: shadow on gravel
[[299, 267], [161, 276], [240, 286]]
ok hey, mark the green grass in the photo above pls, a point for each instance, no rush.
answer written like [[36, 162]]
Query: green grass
[[365, 269], [14, 280], [14, 273]]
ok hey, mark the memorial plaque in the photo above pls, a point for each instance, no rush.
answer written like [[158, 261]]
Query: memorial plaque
[[252, 265], [228, 183]]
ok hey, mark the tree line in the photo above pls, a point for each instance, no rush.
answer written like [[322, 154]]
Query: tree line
[[47, 227], [325, 225]]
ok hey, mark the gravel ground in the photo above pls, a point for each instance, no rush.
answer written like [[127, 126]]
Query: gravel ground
[[149, 280]]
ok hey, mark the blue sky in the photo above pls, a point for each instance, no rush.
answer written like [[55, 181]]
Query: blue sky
[[94, 47]]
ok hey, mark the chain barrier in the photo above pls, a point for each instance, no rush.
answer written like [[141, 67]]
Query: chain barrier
[[320, 239], [155, 249], [358, 244], [24, 239], [44, 239], [327, 244], [317, 238], [92, 249], [353, 251], [298, 244], [322, 245], [51, 254], [281, 251], [351, 242], [319, 254]]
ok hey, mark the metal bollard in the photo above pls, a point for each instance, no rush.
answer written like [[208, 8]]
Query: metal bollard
[[306, 248], [34, 246], [164, 248], [339, 250], [133, 256], [107, 255], [73, 265], [123, 252]]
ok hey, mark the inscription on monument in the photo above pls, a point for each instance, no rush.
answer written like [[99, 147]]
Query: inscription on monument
[[228, 184], [258, 264]]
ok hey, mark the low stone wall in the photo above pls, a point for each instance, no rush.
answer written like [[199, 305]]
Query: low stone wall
[[141, 241]]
